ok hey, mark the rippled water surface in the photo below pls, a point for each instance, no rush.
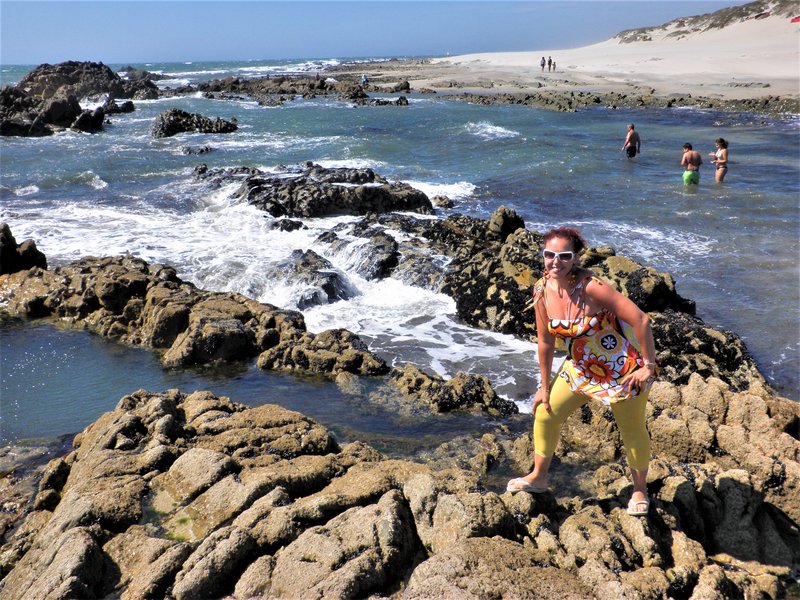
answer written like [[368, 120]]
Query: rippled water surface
[[733, 248]]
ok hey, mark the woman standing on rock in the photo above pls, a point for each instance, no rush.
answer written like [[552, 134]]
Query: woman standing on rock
[[610, 358]]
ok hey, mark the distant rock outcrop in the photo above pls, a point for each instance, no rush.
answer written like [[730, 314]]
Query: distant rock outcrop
[[83, 79], [174, 121], [47, 98]]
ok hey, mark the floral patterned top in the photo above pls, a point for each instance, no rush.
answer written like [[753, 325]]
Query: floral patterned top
[[601, 352]]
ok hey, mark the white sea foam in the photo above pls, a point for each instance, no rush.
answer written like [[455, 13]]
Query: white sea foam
[[173, 82], [352, 163], [455, 191], [91, 179], [488, 131], [26, 190], [94, 102]]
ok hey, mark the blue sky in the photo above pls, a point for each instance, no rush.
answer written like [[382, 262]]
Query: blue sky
[[33, 32]]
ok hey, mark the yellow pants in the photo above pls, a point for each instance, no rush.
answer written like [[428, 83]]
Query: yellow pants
[[629, 415]]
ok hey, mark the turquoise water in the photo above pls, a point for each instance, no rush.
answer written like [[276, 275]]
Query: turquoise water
[[732, 248]]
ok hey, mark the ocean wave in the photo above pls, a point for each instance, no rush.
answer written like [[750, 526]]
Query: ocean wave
[[26, 190], [173, 82], [487, 131], [91, 179], [459, 190], [351, 163]]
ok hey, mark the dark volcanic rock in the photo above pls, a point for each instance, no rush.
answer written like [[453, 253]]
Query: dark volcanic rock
[[47, 98], [18, 257], [687, 346], [134, 74], [174, 121], [81, 79], [374, 256], [321, 281], [61, 109], [90, 120], [193, 151], [314, 191], [112, 108]]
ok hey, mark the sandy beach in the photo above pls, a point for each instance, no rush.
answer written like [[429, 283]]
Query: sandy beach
[[751, 58]]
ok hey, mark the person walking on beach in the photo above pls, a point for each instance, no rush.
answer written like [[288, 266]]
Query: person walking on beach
[[610, 358], [720, 159], [633, 144], [691, 161], [543, 63], [549, 63]]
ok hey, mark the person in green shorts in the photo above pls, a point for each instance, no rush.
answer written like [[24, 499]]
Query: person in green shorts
[[691, 161]]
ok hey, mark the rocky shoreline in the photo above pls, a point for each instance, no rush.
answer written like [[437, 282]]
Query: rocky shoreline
[[47, 99], [176, 495]]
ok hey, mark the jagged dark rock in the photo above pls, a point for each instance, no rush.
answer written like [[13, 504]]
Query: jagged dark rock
[[81, 79], [174, 121], [90, 121], [314, 191], [47, 98], [18, 257], [322, 282], [112, 108], [134, 74]]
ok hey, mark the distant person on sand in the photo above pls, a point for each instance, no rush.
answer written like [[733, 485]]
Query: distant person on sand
[[720, 159], [611, 358], [543, 63], [633, 144], [363, 79], [554, 66], [549, 63], [691, 161]]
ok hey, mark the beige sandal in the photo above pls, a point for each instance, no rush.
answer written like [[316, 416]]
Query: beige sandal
[[639, 508], [520, 485]]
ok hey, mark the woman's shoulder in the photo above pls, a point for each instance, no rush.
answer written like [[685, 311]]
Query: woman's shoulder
[[592, 282]]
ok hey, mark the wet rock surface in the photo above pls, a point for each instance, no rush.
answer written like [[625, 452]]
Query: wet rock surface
[[174, 121], [572, 101], [313, 191], [82, 79]]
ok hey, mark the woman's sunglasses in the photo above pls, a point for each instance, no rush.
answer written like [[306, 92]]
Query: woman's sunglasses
[[562, 256]]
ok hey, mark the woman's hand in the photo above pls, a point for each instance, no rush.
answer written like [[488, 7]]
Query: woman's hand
[[542, 398], [638, 380]]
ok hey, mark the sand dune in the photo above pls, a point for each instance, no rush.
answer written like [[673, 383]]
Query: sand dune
[[746, 59]]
